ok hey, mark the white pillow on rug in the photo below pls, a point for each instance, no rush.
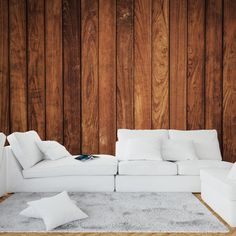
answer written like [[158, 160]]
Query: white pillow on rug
[[31, 212], [232, 173], [178, 150], [52, 150], [143, 148], [25, 148], [58, 210]]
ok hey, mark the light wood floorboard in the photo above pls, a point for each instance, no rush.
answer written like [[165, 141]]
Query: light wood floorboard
[[232, 231]]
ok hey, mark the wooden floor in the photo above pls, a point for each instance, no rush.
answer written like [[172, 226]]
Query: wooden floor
[[232, 231]]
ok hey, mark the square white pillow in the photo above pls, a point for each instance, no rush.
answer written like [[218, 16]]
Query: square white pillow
[[178, 150], [57, 210], [146, 148], [205, 141], [31, 212], [232, 173], [52, 150], [25, 148]]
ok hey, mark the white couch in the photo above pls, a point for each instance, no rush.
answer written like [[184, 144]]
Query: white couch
[[63, 174], [166, 176], [2, 166], [133, 175], [219, 192]]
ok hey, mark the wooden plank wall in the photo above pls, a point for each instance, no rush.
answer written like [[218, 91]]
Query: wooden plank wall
[[77, 70]]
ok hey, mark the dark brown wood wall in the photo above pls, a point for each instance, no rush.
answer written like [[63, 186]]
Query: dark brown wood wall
[[77, 70]]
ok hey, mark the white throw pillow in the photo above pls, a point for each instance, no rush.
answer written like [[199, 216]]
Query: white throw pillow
[[232, 173], [178, 150], [145, 148], [52, 150], [205, 141], [25, 148], [31, 212], [125, 134], [57, 210]]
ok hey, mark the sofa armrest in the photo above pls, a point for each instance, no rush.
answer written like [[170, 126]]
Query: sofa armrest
[[14, 176]]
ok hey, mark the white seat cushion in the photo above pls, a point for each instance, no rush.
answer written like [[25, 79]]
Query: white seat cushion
[[217, 179], [147, 168], [68, 166], [193, 167]]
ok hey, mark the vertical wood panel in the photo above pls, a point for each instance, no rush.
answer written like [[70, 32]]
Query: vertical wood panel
[[213, 76], [229, 86], [142, 65], [178, 63], [36, 70], [107, 75], [54, 95], [18, 71], [89, 11], [4, 69], [125, 104], [196, 39], [160, 64], [71, 39]]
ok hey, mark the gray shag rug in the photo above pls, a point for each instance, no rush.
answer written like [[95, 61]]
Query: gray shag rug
[[118, 212]]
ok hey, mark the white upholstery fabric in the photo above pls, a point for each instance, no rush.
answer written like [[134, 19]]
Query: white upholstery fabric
[[157, 183], [126, 134], [143, 148], [68, 166], [205, 141], [232, 173], [219, 193], [177, 150], [25, 148], [193, 167], [147, 168], [17, 183], [52, 150], [217, 179], [2, 165]]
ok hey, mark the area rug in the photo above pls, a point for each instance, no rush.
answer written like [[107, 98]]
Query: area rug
[[119, 212]]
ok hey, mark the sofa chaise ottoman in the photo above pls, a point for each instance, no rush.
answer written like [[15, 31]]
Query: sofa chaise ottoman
[[33, 165], [219, 193]]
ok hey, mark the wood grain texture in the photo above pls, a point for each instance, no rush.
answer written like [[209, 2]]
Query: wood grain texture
[[89, 88], [72, 80], [196, 62], [229, 81], [54, 83], [160, 64], [125, 103], [213, 73], [142, 64], [36, 67], [178, 64], [18, 71], [4, 68], [107, 76]]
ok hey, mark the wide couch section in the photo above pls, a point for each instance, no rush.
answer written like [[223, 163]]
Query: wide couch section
[[176, 170], [146, 160]]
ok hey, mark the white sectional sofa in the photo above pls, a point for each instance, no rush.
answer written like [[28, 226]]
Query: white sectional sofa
[[167, 176], [2, 166], [120, 173], [219, 192]]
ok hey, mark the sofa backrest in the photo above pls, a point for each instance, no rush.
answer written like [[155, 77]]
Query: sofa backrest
[[205, 141]]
